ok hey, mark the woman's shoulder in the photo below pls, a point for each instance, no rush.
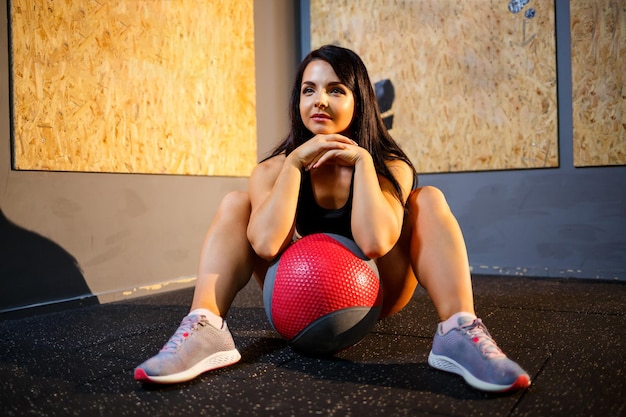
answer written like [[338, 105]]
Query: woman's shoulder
[[403, 172], [270, 165], [399, 167], [272, 162]]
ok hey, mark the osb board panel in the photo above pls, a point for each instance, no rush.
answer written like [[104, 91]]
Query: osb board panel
[[134, 86], [475, 84], [599, 81]]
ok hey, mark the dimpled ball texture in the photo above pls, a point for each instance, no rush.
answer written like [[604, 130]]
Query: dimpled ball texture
[[322, 280]]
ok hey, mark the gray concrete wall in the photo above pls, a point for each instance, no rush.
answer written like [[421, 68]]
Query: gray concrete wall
[[542, 223]]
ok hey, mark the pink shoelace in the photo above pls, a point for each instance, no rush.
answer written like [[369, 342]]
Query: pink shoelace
[[188, 325], [479, 334]]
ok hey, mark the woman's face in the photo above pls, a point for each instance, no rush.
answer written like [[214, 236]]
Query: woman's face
[[326, 105]]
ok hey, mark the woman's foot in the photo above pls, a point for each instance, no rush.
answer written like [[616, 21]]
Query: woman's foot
[[196, 347], [468, 350]]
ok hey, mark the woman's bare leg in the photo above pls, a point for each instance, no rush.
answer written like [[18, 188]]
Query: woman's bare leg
[[227, 260], [202, 341], [433, 244], [438, 253]]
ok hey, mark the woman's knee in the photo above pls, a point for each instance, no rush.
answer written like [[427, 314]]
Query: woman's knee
[[235, 203], [429, 199]]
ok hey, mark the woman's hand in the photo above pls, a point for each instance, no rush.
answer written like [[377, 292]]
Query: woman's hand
[[324, 148]]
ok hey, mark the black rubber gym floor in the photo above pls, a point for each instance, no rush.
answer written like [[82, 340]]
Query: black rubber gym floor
[[568, 334]]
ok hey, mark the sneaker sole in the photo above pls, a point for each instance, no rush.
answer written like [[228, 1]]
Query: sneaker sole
[[444, 363], [215, 361]]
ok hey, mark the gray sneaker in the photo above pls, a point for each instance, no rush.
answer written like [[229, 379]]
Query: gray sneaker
[[469, 351], [196, 347]]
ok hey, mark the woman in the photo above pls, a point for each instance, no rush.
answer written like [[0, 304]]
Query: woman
[[336, 171]]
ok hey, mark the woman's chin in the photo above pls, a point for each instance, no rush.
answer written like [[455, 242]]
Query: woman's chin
[[322, 131]]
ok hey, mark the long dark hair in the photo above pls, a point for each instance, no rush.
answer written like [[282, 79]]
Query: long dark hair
[[367, 125]]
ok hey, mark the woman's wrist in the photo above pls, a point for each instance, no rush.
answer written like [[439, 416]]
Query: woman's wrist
[[292, 161], [364, 159]]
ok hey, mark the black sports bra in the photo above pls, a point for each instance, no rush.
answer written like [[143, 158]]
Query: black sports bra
[[311, 218]]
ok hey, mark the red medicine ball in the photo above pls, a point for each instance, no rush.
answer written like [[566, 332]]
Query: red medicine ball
[[322, 294]]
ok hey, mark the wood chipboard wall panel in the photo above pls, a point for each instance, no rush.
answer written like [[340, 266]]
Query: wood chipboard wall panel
[[134, 86], [475, 84], [598, 30]]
